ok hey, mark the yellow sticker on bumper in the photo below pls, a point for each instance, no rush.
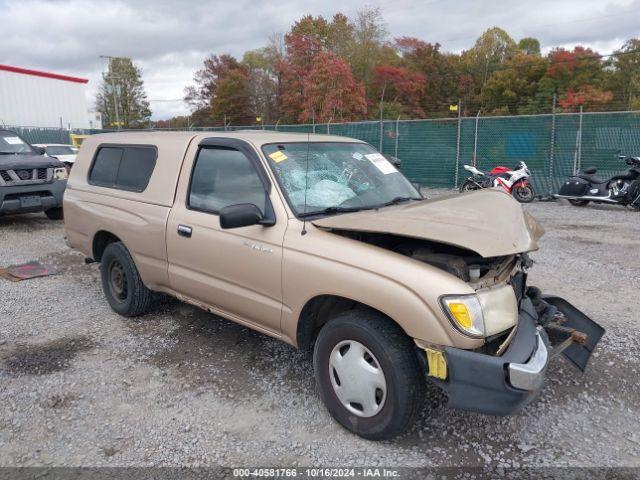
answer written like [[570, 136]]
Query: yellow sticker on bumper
[[437, 363]]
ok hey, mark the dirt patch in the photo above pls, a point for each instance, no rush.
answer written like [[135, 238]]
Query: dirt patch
[[207, 350], [45, 358], [59, 401], [70, 262]]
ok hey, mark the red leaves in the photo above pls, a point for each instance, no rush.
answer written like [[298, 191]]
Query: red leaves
[[317, 84], [587, 95], [398, 84]]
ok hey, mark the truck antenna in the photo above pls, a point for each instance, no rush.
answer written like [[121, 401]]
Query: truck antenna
[[306, 183]]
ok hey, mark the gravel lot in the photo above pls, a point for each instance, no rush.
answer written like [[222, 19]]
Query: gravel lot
[[81, 386]]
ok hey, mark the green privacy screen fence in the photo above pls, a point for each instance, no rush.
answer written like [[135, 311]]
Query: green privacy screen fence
[[434, 151]]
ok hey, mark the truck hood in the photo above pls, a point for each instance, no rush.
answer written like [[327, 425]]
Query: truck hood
[[21, 161], [488, 222]]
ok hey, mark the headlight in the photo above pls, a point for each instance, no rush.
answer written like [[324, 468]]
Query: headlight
[[465, 313], [60, 173]]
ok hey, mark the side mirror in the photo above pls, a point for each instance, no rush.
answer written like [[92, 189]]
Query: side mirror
[[39, 150], [240, 215]]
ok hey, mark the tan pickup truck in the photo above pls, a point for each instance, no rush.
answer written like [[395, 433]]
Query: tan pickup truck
[[321, 242]]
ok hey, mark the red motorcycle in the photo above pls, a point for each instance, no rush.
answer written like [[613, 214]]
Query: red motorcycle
[[513, 181]]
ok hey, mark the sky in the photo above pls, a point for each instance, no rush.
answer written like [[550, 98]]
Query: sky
[[169, 39]]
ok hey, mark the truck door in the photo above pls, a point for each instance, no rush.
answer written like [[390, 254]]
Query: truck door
[[236, 271]]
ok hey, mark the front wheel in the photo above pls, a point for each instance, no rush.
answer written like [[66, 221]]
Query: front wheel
[[578, 203], [54, 213], [469, 186], [523, 193], [368, 374]]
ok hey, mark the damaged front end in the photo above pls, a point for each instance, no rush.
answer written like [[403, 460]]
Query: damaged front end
[[503, 381]]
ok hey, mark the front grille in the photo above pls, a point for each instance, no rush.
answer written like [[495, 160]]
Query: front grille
[[25, 176]]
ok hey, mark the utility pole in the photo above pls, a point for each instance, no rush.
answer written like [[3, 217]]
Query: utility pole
[[109, 77], [455, 181], [552, 143], [475, 141]]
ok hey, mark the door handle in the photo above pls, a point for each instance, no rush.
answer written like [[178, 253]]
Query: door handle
[[184, 231]]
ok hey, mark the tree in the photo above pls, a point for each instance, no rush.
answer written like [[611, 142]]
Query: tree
[[443, 79], [494, 47], [587, 96], [262, 83], [529, 46], [221, 91], [514, 89], [330, 92], [577, 77], [128, 104], [399, 86], [626, 75], [369, 35], [317, 84]]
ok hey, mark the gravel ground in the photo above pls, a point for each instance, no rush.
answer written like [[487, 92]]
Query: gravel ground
[[81, 386]]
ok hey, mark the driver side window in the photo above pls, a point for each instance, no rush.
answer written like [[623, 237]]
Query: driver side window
[[224, 176]]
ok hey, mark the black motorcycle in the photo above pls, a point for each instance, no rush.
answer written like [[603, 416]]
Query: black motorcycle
[[622, 189]]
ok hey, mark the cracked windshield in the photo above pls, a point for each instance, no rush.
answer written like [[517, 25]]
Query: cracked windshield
[[339, 177]]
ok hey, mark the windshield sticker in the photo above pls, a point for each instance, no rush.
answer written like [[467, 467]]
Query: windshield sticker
[[357, 156], [13, 140], [278, 156], [381, 163]]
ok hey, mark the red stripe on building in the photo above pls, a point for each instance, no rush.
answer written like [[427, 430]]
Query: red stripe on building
[[38, 73]]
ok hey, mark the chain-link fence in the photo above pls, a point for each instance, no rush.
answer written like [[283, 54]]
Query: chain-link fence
[[434, 151]]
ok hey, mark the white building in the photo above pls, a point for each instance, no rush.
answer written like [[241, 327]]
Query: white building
[[32, 98]]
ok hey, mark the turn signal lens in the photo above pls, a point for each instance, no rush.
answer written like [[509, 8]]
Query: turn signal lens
[[461, 314], [465, 313]]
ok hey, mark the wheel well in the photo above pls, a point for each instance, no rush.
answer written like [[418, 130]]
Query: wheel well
[[100, 242], [318, 311]]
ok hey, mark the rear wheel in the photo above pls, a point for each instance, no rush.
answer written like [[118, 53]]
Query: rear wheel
[[54, 213], [121, 282], [578, 203], [523, 193], [469, 186], [368, 374]]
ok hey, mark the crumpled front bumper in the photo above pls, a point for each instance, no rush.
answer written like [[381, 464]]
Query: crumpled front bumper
[[500, 385]]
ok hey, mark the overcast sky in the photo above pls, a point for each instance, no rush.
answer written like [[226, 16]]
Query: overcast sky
[[170, 38]]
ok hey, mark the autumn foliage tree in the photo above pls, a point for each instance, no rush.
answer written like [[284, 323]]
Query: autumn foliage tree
[[318, 85], [220, 93], [400, 87], [343, 68]]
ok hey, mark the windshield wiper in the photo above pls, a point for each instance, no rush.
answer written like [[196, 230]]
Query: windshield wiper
[[332, 210], [397, 200]]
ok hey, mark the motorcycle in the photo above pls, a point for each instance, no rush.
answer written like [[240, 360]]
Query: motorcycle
[[513, 181], [622, 189]]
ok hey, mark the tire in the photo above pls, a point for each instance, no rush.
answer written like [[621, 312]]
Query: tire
[[469, 186], [121, 282], [386, 346], [523, 193], [578, 203], [54, 213]]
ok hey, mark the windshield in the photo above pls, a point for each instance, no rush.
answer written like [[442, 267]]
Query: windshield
[[12, 143], [339, 177], [54, 150]]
